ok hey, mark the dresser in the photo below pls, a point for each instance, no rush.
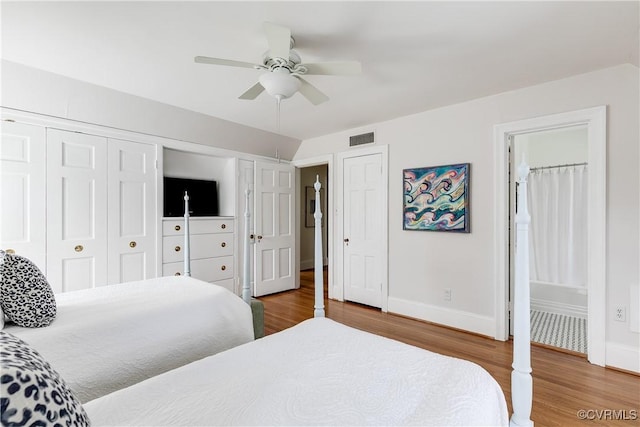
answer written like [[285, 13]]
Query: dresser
[[212, 254]]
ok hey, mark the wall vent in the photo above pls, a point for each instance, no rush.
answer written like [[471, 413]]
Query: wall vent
[[365, 138]]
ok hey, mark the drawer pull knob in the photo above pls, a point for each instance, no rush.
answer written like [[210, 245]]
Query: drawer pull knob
[[177, 248], [223, 244], [223, 268], [132, 244], [223, 226], [177, 228], [177, 274], [78, 248]]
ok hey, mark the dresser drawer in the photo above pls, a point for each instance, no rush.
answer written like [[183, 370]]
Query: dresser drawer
[[207, 269], [202, 246], [175, 227]]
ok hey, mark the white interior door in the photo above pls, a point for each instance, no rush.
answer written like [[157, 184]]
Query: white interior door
[[362, 229], [77, 210], [132, 201], [275, 228], [22, 191]]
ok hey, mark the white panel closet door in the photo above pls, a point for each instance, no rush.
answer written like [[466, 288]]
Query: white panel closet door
[[77, 210], [275, 228], [22, 191], [132, 201], [363, 243]]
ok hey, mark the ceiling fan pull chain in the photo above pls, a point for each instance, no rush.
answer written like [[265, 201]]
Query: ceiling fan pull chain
[[278, 114]]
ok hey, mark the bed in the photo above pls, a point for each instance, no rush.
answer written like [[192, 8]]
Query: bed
[[320, 372], [107, 338]]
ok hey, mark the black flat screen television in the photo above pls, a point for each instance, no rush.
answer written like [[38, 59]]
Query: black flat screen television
[[203, 197]]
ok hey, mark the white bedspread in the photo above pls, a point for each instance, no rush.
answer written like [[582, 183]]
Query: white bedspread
[[317, 373], [108, 338]]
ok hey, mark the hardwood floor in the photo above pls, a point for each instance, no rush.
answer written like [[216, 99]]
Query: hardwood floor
[[563, 384]]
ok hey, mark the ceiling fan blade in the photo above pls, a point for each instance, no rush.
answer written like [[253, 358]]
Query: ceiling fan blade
[[311, 92], [252, 92], [228, 62], [279, 39], [347, 68]]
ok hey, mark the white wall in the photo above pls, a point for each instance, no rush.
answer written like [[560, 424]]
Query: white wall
[[32, 90], [552, 148], [422, 264]]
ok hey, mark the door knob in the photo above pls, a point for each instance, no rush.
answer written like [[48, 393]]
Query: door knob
[[132, 244], [346, 240], [79, 248], [259, 238], [177, 248]]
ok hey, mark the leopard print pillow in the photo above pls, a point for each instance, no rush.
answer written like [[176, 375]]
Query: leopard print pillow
[[26, 298], [31, 391]]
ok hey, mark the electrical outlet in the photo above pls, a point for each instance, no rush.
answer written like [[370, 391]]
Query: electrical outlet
[[447, 294], [620, 314]]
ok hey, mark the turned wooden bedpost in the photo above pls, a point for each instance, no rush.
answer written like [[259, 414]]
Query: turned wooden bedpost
[[246, 267], [318, 273], [521, 380], [187, 244]]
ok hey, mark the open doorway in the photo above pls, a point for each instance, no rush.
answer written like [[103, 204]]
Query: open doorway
[[558, 234], [308, 201], [306, 172], [595, 119]]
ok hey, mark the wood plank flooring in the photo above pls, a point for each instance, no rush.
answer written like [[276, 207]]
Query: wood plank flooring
[[563, 384]]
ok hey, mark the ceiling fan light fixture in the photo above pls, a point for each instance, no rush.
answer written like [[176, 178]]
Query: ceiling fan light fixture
[[280, 83]]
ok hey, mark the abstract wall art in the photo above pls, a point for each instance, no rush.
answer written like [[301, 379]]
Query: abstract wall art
[[436, 198]]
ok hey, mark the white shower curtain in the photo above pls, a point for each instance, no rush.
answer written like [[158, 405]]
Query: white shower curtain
[[558, 230]]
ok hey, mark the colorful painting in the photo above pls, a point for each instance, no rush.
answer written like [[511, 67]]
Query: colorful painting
[[437, 198]]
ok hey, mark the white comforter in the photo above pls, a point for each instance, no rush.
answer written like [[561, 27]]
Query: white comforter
[[317, 373], [108, 338]]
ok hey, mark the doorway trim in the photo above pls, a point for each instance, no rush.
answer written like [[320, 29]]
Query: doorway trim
[[304, 163], [595, 119]]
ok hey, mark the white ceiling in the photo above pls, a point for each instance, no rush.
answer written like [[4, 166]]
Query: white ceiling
[[415, 55]]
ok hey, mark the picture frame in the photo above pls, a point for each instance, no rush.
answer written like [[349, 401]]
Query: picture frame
[[310, 206], [436, 198]]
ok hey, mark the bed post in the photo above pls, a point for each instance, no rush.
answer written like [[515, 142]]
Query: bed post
[[318, 273], [246, 268], [187, 244], [521, 380]]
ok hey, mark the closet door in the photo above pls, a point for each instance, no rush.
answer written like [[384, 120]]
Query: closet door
[[77, 210], [22, 191], [132, 202]]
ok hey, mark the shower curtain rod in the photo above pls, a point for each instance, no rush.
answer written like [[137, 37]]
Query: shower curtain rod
[[558, 166]]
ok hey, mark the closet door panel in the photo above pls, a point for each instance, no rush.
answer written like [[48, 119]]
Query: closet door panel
[[132, 201], [77, 210], [22, 191]]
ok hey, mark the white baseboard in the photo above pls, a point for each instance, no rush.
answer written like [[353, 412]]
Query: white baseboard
[[623, 357], [464, 320], [558, 308]]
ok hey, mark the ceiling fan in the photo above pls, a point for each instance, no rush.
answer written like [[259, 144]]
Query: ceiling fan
[[284, 68]]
